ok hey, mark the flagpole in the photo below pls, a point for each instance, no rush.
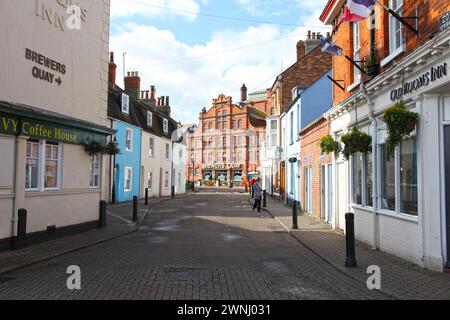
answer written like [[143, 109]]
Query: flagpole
[[401, 19], [354, 63]]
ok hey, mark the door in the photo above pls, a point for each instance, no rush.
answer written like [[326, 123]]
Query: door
[[447, 188], [330, 194], [283, 181], [323, 188], [341, 195], [308, 190]]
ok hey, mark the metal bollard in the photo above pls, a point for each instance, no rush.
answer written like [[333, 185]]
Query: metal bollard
[[135, 208], [102, 220], [350, 241], [294, 216], [173, 192], [20, 241], [146, 196], [264, 199]]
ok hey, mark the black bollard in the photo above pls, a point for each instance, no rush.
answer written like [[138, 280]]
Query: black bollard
[[264, 199], [102, 220], [20, 240], [173, 192], [294, 216], [135, 208], [146, 196], [350, 241]]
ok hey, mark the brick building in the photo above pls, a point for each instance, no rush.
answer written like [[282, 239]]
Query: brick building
[[317, 193], [401, 203], [226, 146]]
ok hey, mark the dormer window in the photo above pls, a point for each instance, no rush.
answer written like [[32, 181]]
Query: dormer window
[[149, 119], [166, 126], [125, 103]]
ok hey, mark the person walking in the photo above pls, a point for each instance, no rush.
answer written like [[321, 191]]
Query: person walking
[[257, 195]]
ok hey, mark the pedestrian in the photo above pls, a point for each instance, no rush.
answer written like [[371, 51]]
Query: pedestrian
[[252, 182], [257, 195]]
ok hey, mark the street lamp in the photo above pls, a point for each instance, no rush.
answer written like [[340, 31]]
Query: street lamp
[[294, 208], [113, 195]]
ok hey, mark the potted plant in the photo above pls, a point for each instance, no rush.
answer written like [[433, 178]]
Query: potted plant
[[356, 141], [112, 149], [373, 64], [93, 148], [400, 122], [329, 145]]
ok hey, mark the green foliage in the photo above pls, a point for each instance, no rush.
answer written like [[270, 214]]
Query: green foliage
[[400, 123], [112, 149], [94, 148], [329, 145], [356, 141]]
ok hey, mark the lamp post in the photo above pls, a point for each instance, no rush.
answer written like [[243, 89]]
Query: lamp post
[[294, 208], [113, 194]]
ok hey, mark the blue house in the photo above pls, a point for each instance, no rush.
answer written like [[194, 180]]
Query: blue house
[[308, 105], [126, 165]]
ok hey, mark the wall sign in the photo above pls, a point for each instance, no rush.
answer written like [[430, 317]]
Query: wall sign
[[46, 69], [220, 166], [61, 14], [47, 131], [444, 22], [435, 73]]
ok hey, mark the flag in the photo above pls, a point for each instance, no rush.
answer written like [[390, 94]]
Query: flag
[[357, 10], [330, 47]]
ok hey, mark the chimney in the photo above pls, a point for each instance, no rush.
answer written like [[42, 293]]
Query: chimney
[[300, 50], [312, 42], [133, 83], [158, 103], [167, 101], [244, 93], [152, 92], [112, 69], [163, 101]]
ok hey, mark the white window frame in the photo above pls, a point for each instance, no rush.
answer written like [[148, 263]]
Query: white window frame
[[166, 125], [151, 147], [395, 49], [92, 173], [125, 103], [356, 29], [39, 160], [130, 170], [273, 133], [166, 180], [149, 119], [130, 148], [150, 180]]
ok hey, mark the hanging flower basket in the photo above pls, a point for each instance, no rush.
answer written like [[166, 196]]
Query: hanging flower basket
[[356, 141], [329, 145], [93, 148], [400, 122], [112, 149]]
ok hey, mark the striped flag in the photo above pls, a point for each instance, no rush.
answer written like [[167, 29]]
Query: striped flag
[[357, 10], [330, 47]]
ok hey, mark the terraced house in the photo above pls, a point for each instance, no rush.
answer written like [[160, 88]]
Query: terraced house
[[399, 192], [53, 103]]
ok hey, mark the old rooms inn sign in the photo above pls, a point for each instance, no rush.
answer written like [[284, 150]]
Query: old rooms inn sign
[[47, 131], [434, 74]]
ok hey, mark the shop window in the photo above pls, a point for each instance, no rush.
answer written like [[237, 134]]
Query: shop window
[[357, 163], [369, 179], [151, 147], [32, 166], [129, 140], [51, 166], [94, 172], [128, 179], [387, 180], [408, 178]]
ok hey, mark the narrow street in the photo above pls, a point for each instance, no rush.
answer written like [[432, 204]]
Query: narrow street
[[204, 246]]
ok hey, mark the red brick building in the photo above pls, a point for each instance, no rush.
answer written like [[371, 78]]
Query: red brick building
[[318, 167], [226, 146]]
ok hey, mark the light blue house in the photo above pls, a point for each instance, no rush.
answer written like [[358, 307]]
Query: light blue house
[[308, 105], [127, 164]]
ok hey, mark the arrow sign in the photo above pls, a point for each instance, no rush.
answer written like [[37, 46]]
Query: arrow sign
[[58, 81]]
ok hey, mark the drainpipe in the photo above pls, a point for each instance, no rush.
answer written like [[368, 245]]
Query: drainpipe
[[374, 122], [19, 180]]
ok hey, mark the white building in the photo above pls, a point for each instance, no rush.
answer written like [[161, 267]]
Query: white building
[[53, 101]]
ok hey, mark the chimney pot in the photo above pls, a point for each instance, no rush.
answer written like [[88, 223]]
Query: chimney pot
[[133, 83], [112, 70], [163, 101], [244, 93], [309, 34], [152, 92], [167, 101]]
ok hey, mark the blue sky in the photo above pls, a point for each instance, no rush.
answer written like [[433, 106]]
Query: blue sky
[[193, 58]]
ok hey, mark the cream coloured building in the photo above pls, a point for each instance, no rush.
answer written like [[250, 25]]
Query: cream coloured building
[[53, 101]]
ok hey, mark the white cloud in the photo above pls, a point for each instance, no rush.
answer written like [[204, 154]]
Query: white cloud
[[156, 8]]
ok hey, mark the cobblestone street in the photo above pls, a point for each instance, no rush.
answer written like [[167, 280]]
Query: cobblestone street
[[203, 246]]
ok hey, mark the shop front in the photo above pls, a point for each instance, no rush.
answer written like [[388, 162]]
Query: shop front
[[400, 200]]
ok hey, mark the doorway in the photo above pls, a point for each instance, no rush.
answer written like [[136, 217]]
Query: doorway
[[308, 190], [323, 189], [447, 188], [341, 195], [330, 195]]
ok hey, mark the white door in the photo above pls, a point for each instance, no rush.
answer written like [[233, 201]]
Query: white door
[[341, 195]]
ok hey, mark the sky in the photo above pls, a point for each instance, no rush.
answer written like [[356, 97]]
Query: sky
[[194, 50]]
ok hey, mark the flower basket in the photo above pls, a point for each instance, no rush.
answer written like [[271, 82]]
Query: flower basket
[[400, 122], [356, 141], [329, 145], [94, 148], [112, 149]]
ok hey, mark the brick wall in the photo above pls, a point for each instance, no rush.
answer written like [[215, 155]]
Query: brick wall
[[310, 149], [430, 11]]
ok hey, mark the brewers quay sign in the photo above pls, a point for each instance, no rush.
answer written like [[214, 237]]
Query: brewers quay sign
[[42, 130], [434, 74]]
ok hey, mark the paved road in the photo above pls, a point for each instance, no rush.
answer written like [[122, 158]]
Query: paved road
[[201, 246]]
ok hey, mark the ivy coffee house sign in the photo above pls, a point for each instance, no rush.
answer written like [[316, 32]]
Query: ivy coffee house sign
[[434, 74]]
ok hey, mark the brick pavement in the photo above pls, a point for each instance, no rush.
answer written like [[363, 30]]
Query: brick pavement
[[400, 279], [118, 225]]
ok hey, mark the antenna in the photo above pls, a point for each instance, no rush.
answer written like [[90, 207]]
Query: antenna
[[124, 72]]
